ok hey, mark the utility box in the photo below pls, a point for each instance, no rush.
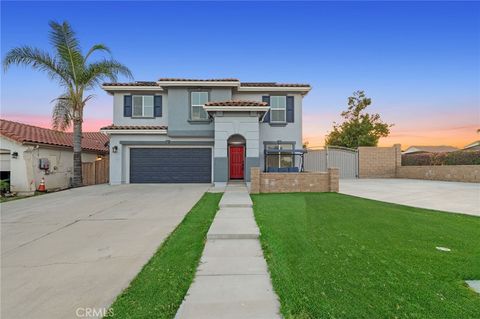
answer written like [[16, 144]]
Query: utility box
[[44, 164]]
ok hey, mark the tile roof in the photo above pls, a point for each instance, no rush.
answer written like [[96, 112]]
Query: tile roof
[[133, 127], [24, 133], [198, 80], [432, 149], [473, 144], [136, 83], [242, 84], [272, 84], [236, 103]]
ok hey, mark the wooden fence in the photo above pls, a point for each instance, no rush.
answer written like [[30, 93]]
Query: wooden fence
[[95, 172]]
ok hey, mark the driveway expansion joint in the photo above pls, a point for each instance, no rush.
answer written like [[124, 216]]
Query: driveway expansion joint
[[40, 237]]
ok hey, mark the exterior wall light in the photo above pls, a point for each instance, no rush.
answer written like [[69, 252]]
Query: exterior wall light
[[14, 154], [115, 149]]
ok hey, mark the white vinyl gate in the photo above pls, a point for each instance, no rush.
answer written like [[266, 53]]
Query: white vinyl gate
[[345, 159]]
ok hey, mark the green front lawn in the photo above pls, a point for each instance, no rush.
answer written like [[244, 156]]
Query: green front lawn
[[336, 256], [159, 289]]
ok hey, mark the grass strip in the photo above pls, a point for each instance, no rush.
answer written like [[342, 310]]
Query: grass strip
[[158, 290]]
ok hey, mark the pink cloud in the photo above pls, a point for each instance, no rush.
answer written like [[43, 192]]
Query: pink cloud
[[89, 123]]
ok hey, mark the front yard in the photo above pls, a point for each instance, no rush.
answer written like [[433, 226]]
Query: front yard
[[337, 256]]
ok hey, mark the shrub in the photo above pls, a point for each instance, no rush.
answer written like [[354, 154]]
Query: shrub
[[4, 186], [450, 158]]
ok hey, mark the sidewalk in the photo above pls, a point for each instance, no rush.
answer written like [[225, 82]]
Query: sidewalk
[[232, 280]]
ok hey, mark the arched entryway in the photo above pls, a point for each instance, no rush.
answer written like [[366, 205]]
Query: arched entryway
[[236, 157]]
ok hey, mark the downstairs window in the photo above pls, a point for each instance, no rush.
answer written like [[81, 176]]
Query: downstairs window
[[280, 160]]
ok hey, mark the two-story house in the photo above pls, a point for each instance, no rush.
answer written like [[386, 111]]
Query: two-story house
[[201, 131]]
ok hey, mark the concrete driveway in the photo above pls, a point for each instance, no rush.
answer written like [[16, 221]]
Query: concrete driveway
[[446, 196], [65, 252]]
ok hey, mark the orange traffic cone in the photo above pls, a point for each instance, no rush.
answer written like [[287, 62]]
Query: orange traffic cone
[[41, 187]]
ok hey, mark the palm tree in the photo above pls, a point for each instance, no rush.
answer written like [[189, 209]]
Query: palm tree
[[75, 74]]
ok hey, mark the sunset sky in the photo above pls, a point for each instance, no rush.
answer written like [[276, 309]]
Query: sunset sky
[[419, 62]]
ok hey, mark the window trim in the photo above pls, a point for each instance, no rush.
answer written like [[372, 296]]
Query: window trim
[[191, 119], [143, 106], [277, 109]]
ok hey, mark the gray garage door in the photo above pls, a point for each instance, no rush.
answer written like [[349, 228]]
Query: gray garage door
[[170, 165]]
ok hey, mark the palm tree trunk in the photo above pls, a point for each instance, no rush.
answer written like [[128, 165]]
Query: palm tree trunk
[[77, 152]]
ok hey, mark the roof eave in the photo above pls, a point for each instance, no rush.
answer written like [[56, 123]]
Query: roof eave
[[133, 131], [246, 108], [117, 88], [302, 89], [64, 147], [200, 83]]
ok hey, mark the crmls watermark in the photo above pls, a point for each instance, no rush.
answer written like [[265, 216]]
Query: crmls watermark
[[87, 312]]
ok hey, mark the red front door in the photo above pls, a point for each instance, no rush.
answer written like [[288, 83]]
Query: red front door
[[236, 162]]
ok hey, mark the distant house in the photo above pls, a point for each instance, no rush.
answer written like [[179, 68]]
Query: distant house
[[474, 146], [430, 149], [28, 153]]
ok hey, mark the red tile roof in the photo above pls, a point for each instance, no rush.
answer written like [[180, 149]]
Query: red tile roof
[[236, 103], [24, 133], [133, 127], [272, 84], [198, 80]]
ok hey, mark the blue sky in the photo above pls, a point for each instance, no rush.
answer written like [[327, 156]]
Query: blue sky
[[418, 61]]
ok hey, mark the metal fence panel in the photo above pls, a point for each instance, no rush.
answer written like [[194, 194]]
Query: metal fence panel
[[345, 159], [316, 161]]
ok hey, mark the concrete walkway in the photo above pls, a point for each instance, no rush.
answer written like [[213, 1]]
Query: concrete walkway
[[232, 280], [446, 196]]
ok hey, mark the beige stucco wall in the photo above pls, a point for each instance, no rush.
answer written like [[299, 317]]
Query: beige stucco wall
[[454, 173], [379, 162], [25, 176]]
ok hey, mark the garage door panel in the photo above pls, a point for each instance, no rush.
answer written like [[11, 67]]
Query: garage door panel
[[170, 165]]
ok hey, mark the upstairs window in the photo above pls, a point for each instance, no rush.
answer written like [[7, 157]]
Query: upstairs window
[[198, 100], [278, 109], [142, 106]]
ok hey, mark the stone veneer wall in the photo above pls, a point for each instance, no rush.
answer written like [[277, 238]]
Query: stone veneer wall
[[294, 182], [453, 173], [379, 162]]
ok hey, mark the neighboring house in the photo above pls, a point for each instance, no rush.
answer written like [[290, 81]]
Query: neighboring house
[[201, 131], [430, 149], [29, 153], [474, 146]]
